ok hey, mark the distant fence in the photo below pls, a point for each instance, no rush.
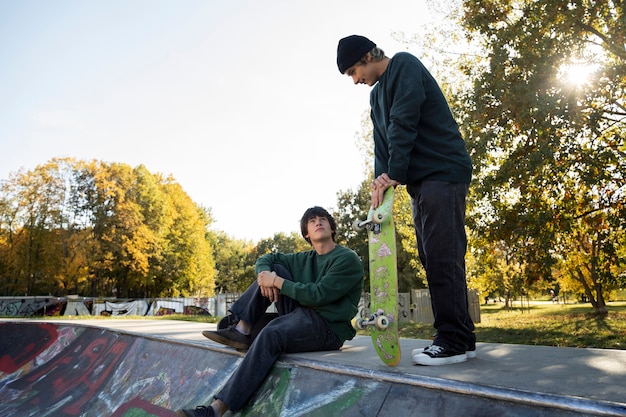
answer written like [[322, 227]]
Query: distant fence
[[423, 311], [414, 306], [30, 306]]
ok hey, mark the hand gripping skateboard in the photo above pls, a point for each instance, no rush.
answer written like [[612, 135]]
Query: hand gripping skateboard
[[383, 319]]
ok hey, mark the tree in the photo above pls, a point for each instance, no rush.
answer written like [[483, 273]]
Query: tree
[[188, 266], [119, 228], [102, 229], [353, 206], [549, 155], [234, 273], [35, 209]]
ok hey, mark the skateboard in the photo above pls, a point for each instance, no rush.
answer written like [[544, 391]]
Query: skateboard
[[383, 319]]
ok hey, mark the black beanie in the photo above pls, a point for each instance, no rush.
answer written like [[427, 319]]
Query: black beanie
[[351, 49]]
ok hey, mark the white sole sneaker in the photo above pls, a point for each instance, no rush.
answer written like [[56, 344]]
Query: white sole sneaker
[[417, 351], [471, 354], [438, 355]]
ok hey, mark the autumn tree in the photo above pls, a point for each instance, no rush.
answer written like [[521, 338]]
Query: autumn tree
[[32, 214], [101, 229], [234, 271], [188, 266], [549, 146]]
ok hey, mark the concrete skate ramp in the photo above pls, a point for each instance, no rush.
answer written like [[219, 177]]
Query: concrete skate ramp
[[60, 369]]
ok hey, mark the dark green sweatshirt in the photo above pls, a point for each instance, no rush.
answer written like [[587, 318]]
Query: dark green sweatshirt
[[331, 284], [415, 135]]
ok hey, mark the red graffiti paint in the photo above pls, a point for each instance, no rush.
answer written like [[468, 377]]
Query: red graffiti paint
[[27, 342], [92, 359]]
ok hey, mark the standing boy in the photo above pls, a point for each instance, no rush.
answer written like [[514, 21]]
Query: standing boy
[[417, 142]]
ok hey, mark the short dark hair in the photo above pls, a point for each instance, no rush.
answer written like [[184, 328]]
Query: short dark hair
[[312, 212], [376, 54]]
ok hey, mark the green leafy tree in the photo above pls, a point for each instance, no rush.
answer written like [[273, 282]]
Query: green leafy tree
[[281, 242], [550, 153], [233, 270], [352, 205]]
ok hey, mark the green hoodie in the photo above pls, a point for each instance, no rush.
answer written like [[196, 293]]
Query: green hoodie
[[331, 284], [415, 135]]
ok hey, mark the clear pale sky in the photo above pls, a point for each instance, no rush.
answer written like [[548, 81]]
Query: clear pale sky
[[240, 101]]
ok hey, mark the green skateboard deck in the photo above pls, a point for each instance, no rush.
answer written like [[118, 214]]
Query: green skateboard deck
[[383, 319]]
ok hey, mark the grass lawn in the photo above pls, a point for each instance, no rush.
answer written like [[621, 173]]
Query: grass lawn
[[543, 323]]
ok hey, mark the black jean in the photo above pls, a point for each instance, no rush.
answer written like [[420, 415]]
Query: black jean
[[439, 220], [296, 329]]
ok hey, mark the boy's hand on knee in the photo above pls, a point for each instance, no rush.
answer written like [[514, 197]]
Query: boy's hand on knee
[[267, 282]]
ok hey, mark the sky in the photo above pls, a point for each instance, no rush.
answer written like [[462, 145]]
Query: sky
[[240, 101]]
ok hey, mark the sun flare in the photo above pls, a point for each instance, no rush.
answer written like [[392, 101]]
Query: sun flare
[[578, 73]]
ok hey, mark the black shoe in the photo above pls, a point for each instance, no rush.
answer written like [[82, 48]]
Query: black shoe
[[438, 355], [199, 411], [470, 351], [229, 337]]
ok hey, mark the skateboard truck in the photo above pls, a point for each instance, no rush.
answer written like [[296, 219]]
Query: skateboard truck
[[378, 319], [372, 224]]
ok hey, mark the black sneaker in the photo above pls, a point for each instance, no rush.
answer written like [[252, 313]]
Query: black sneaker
[[199, 411], [438, 355], [229, 337], [470, 352]]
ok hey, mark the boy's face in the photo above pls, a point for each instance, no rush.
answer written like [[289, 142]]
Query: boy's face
[[318, 228], [363, 73]]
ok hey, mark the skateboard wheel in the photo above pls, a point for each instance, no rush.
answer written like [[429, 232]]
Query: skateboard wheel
[[382, 323], [360, 324], [356, 226], [378, 218]]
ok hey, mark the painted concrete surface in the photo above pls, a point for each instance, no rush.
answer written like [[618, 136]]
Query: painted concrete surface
[[140, 368]]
